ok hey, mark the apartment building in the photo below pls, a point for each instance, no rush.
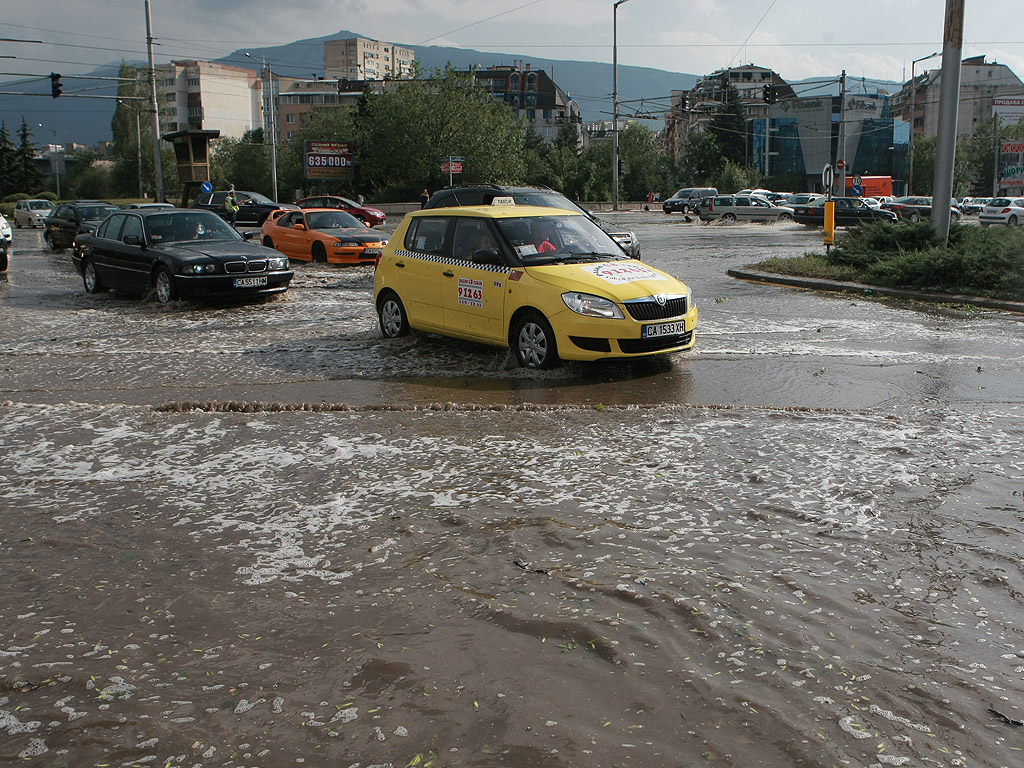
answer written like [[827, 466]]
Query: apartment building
[[357, 58], [209, 96]]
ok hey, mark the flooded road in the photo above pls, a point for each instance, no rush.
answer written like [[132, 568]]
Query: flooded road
[[262, 536]]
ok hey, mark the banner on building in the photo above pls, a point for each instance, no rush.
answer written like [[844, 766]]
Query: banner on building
[[1011, 164], [328, 160], [1009, 110]]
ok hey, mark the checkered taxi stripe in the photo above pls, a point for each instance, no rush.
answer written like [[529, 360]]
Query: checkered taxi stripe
[[502, 270]]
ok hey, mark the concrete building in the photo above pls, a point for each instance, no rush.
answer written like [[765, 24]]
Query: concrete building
[[534, 96], [209, 96], [357, 58], [918, 101]]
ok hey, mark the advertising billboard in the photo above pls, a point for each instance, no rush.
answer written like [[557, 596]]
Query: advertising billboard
[[328, 160]]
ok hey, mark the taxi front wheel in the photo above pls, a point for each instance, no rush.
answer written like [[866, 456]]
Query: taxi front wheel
[[393, 320], [534, 342]]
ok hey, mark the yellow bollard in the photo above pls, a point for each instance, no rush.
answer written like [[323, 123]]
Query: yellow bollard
[[830, 222]]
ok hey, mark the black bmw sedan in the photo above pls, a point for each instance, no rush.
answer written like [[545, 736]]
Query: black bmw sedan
[[175, 254]]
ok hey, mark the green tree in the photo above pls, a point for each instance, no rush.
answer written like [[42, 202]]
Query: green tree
[[734, 177], [404, 133], [244, 162], [7, 159], [643, 170], [324, 124], [595, 176], [535, 153], [729, 127], [702, 158], [924, 164], [25, 174]]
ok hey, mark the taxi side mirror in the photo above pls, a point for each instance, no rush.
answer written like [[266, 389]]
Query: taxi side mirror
[[487, 256]]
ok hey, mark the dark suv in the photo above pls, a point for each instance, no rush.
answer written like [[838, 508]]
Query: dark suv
[[484, 194], [253, 208], [75, 218]]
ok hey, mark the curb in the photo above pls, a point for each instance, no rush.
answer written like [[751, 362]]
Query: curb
[[834, 286]]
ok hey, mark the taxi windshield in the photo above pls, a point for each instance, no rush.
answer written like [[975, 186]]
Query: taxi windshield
[[559, 239], [332, 220]]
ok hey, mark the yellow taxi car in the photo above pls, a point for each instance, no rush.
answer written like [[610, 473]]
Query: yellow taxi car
[[547, 283], [323, 235]]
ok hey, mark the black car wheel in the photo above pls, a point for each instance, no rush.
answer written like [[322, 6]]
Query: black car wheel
[[48, 239], [89, 277], [393, 320], [533, 342], [914, 216], [268, 242], [686, 209], [785, 217], [1012, 221], [163, 286], [3, 260], [319, 254], [729, 217]]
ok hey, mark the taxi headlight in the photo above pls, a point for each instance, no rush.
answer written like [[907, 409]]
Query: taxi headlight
[[592, 306], [280, 262]]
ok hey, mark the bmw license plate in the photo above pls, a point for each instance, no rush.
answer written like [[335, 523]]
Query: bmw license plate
[[663, 329], [250, 282]]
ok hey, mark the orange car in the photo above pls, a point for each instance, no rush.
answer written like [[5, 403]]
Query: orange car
[[322, 234]]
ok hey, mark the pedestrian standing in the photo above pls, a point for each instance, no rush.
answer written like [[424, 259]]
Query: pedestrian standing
[[231, 205], [423, 199]]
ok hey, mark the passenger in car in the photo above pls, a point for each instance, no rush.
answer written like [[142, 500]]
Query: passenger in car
[[543, 236]]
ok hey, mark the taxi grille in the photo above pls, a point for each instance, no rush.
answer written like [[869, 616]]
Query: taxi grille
[[649, 309], [235, 267], [637, 346]]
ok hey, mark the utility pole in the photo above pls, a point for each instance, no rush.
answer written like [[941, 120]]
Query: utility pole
[[615, 103], [913, 116], [841, 150], [158, 166], [949, 104]]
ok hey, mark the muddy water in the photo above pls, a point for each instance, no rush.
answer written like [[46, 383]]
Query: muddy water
[[564, 587], [797, 547]]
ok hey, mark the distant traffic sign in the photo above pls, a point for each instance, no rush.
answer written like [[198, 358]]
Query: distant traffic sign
[[856, 190], [207, 187]]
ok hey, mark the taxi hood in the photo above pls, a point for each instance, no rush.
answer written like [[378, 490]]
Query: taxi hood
[[618, 280]]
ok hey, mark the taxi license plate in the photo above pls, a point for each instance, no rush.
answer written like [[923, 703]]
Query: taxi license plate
[[250, 282], [663, 329]]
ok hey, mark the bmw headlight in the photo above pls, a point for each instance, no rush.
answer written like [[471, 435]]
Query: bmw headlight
[[592, 306], [200, 269], [280, 262]]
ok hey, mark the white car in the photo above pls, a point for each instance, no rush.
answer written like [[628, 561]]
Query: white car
[[743, 208], [1003, 210], [5, 242], [30, 213]]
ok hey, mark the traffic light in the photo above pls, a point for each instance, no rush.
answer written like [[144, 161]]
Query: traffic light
[[55, 86], [769, 95]]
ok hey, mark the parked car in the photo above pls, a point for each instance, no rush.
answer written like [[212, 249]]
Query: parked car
[[732, 208], [686, 199], [548, 283], [5, 241], [325, 235], [68, 220], [30, 213], [253, 208], [147, 206], [971, 205], [849, 211], [803, 198], [916, 208], [371, 217], [1003, 210], [548, 198], [176, 254]]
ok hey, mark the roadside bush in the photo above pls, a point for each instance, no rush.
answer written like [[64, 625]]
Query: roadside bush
[[985, 262]]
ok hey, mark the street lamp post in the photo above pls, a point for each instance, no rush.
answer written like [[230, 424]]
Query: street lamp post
[[273, 122], [913, 110], [615, 103], [138, 145], [56, 156]]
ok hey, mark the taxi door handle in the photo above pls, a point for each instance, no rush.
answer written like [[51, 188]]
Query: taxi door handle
[[448, 273], [400, 264]]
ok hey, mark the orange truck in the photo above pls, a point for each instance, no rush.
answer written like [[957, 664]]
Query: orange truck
[[871, 186]]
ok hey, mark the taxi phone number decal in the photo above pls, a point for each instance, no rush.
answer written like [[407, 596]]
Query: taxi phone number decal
[[622, 273], [471, 292]]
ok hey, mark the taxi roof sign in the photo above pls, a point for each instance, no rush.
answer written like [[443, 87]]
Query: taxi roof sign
[[505, 200]]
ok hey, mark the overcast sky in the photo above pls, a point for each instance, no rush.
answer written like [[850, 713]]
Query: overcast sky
[[797, 38]]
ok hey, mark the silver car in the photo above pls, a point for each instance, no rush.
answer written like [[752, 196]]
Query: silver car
[[731, 208], [30, 213]]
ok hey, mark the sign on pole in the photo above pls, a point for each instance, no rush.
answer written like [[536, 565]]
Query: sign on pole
[[328, 160], [1011, 164], [828, 176]]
